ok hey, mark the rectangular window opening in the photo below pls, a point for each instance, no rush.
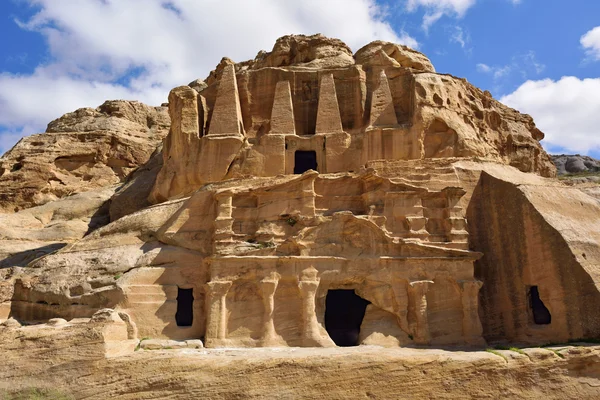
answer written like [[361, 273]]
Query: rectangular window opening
[[185, 307], [304, 161]]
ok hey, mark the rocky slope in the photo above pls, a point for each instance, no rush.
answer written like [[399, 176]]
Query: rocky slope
[[575, 164], [579, 171], [80, 371], [84, 150]]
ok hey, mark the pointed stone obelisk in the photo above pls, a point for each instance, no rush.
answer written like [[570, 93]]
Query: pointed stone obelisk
[[226, 117], [382, 104], [282, 114], [328, 111]]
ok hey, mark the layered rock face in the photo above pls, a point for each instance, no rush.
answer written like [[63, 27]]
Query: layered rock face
[[311, 95], [84, 150], [310, 197]]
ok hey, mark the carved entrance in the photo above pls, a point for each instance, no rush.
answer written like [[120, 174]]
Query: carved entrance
[[541, 314], [344, 313], [185, 307], [304, 160]]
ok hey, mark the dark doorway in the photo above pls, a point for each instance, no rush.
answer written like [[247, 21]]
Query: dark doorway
[[344, 313], [541, 315], [304, 160], [185, 307]]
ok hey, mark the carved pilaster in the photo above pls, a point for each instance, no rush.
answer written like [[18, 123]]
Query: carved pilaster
[[270, 337], [311, 332], [401, 304], [224, 220], [418, 295], [216, 324], [472, 329]]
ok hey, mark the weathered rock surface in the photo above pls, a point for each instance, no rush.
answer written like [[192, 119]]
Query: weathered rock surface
[[308, 198], [80, 369], [575, 164], [311, 94], [582, 172], [84, 150]]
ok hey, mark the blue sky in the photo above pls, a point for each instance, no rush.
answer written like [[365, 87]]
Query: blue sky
[[539, 56]]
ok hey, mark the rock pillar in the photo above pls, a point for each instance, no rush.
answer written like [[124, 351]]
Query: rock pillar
[[224, 219], [311, 330], [216, 324], [472, 329], [418, 294], [270, 337]]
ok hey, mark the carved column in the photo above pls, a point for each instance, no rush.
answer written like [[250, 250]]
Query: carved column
[[399, 290], [311, 329], [216, 324], [472, 329], [418, 294], [268, 288], [224, 220]]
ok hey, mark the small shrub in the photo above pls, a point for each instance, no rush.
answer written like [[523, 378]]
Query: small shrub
[[517, 350], [497, 353], [557, 352], [38, 394], [291, 221]]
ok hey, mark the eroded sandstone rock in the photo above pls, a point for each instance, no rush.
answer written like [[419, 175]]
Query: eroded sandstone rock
[[311, 198], [84, 150], [310, 95]]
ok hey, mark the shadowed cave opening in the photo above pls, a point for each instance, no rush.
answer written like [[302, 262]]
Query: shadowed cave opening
[[304, 160], [185, 307], [541, 314], [344, 313]]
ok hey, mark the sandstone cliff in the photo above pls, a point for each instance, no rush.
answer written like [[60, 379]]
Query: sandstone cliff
[[84, 150], [285, 182], [384, 102]]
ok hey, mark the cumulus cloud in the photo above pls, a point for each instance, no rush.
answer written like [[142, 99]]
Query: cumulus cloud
[[566, 110], [591, 43], [435, 9], [107, 49]]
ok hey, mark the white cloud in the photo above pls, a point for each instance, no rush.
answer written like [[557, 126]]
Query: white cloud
[[591, 43], [525, 64], [107, 49], [436, 9], [565, 110], [460, 36], [484, 68]]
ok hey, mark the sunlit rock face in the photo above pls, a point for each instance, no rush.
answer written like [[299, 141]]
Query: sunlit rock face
[[311, 94], [314, 197]]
